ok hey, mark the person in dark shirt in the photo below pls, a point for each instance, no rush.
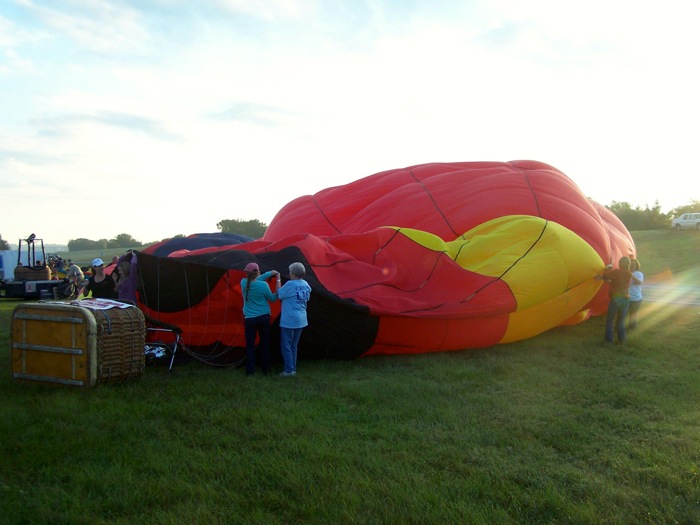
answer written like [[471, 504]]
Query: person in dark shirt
[[100, 284], [619, 281]]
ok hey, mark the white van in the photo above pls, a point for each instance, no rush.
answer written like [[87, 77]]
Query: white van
[[686, 221]]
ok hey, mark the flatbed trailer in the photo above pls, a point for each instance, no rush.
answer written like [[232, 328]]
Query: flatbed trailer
[[31, 289]]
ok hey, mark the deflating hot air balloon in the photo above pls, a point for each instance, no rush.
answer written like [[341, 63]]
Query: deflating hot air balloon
[[434, 257]]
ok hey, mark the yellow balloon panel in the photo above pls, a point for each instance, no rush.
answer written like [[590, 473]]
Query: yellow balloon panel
[[560, 309], [549, 269], [428, 240], [538, 259]]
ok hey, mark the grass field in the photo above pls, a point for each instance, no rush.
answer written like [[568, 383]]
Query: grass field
[[557, 429]]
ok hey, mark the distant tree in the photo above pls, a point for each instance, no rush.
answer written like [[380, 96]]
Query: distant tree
[[252, 228], [76, 245], [636, 219], [694, 206], [150, 243], [123, 240], [4, 245]]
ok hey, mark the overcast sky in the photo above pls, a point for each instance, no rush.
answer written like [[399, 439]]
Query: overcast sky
[[164, 117]]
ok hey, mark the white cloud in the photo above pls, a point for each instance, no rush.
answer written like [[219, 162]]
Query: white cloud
[[166, 118], [269, 10], [95, 25]]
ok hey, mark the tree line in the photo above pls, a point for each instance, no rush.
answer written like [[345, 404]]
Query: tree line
[[251, 228], [635, 218], [123, 240], [640, 219]]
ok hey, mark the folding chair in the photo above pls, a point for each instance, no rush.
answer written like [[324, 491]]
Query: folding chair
[[161, 343]]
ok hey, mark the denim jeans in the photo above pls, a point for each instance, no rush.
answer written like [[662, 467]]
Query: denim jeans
[[257, 326], [289, 343], [634, 308], [617, 311]]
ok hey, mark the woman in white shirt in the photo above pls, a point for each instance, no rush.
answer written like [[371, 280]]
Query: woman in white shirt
[[635, 294]]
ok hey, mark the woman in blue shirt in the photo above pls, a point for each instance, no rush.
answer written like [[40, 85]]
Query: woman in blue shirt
[[294, 295], [256, 310]]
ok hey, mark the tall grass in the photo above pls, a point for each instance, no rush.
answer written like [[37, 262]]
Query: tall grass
[[557, 429]]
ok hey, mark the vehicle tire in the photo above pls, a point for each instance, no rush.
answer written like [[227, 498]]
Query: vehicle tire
[[678, 227]]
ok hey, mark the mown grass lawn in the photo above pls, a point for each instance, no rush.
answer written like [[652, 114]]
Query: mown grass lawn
[[557, 429]]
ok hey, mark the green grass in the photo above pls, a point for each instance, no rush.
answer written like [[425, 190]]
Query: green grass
[[668, 251], [556, 429]]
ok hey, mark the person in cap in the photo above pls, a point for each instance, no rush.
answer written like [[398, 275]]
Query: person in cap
[[257, 297], [99, 283]]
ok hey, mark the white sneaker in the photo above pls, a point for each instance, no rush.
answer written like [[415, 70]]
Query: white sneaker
[[288, 374]]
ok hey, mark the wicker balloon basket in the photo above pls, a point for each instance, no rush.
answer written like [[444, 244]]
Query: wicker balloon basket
[[84, 343], [121, 335]]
